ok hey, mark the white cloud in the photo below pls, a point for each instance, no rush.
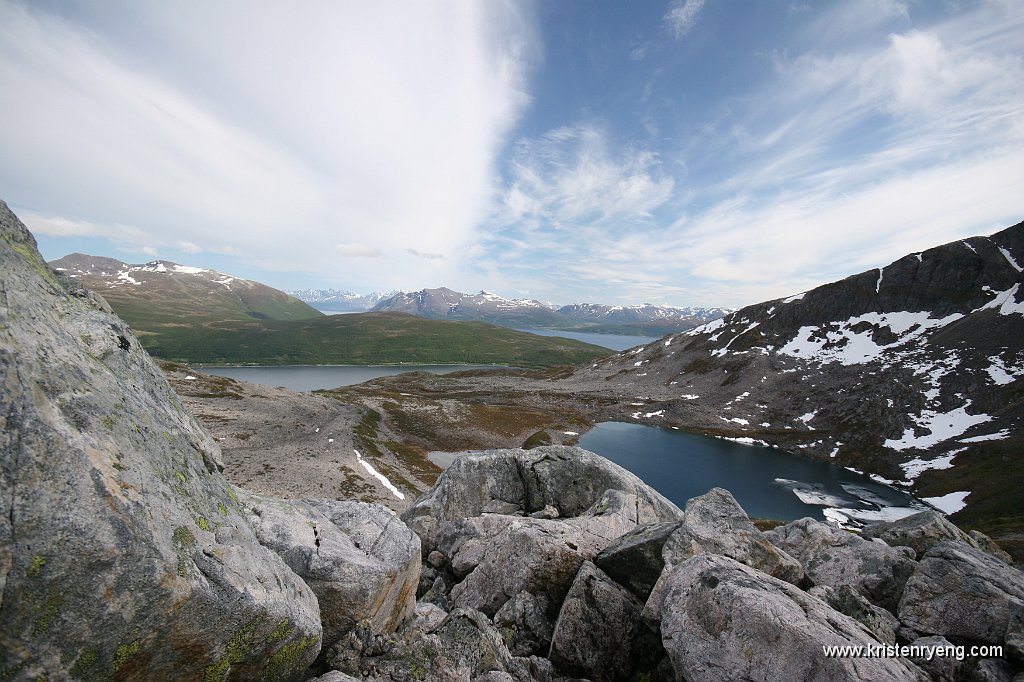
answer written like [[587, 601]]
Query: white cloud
[[569, 178], [278, 131], [357, 251], [682, 16]]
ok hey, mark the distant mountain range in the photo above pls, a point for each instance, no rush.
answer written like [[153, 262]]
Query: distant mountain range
[[338, 301], [914, 371], [198, 315], [446, 304]]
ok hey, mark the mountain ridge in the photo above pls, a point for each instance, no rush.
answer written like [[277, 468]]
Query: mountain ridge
[[912, 371]]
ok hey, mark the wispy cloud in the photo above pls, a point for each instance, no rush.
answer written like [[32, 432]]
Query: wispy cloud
[[682, 16], [380, 127], [357, 251]]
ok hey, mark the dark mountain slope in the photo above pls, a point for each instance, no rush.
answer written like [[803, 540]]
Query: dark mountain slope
[[912, 371]]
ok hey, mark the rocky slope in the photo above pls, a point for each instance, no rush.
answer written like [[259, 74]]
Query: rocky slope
[[124, 552], [126, 555], [912, 371]]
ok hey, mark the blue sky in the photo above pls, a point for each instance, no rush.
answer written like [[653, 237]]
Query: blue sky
[[683, 152]]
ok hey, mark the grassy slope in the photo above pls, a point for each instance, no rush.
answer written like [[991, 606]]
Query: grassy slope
[[362, 338]]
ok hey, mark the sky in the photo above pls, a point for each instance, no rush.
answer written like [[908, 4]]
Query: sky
[[680, 152]]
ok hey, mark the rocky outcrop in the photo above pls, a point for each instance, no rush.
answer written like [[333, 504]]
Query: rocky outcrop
[[359, 559], [726, 621], [125, 554], [961, 593], [599, 634], [834, 557], [920, 532], [570, 480]]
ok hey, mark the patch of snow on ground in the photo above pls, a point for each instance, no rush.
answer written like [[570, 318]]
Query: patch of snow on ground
[[635, 415], [127, 278], [187, 269], [737, 420], [940, 426], [839, 343], [797, 297], [570, 433], [1000, 373], [1010, 259], [189, 378], [689, 396], [881, 479], [659, 413], [950, 504], [998, 435], [379, 476], [917, 466], [806, 418], [883, 514], [1006, 302]]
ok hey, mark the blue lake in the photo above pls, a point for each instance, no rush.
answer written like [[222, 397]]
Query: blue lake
[[313, 377], [768, 483]]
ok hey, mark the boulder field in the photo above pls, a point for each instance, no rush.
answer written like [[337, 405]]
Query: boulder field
[[126, 555]]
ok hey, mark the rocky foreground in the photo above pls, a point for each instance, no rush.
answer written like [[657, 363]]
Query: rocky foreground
[[125, 554]]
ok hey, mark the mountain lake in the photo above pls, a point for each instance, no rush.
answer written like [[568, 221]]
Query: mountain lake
[[313, 377], [767, 482]]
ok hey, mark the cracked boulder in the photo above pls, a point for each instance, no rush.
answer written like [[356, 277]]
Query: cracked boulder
[[835, 557], [359, 559], [123, 551], [962, 593], [724, 620], [567, 481]]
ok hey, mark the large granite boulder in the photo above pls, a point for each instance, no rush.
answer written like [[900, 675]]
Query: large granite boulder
[[920, 532], [723, 620], [359, 559], [715, 523], [599, 634], [834, 557], [501, 556], [554, 480], [123, 552], [962, 593]]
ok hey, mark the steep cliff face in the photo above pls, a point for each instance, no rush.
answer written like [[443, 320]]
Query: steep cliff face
[[912, 371], [124, 553]]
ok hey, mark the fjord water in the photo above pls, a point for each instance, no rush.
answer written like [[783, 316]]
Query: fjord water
[[682, 465], [313, 377], [612, 341]]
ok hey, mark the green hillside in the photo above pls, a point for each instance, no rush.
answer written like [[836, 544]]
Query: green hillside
[[356, 339]]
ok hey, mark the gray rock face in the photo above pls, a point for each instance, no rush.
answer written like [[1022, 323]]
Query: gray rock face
[[726, 621], [599, 634], [920, 532], [846, 600], [122, 549], [941, 668], [568, 479], [359, 559], [835, 557], [960, 592], [715, 523], [512, 555]]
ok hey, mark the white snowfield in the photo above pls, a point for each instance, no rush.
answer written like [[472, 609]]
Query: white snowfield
[[940, 427]]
